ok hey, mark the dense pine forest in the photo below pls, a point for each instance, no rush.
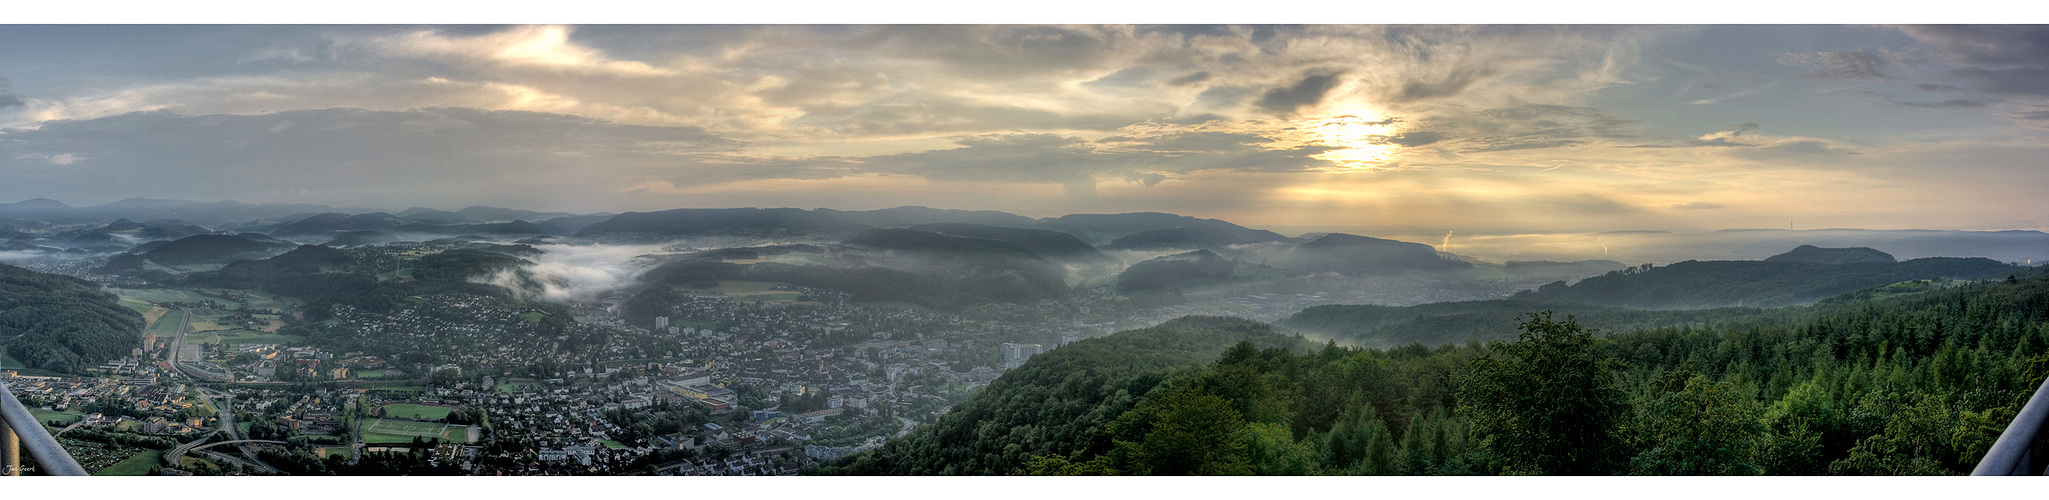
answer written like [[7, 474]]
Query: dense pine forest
[[1916, 384]]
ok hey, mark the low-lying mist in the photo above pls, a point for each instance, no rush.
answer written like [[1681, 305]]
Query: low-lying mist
[[569, 273]]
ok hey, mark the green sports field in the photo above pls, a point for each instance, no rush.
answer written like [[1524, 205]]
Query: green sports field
[[383, 430], [417, 412]]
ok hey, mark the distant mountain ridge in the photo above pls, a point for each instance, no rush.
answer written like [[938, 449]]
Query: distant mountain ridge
[[1708, 284], [1818, 255]]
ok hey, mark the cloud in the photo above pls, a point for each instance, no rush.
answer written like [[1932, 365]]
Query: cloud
[[1728, 137], [1309, 91], [7, 97], [1413, 139], [1529, 126], [1451, 84], [1697, 205], [2003, 65], [1745, 140], [1859, 65], [536, 46], [355, 156], [1191, 79], [1984, 45], [1946, 103]]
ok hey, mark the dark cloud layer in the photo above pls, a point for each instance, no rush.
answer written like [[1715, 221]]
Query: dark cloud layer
[[7, 97], [1307, 92], [341, 153]]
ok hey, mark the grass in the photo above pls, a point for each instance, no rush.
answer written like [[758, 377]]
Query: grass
[[760, 291], [892, 304], [137, 465], [423, 412], [195, 337], [380, 430], [191, 463], [367, 374], [240, 336], [163, 295], [533, 316], [166, 325], [345, 451], [62, 418], [612, 444], [517, 385], [9, 363]]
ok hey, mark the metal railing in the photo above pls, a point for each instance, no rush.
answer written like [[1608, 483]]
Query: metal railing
[[19, 429], [2020, 450]]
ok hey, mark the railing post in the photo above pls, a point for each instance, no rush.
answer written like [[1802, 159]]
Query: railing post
[[51, 459], [10, 451], [2012, 453]]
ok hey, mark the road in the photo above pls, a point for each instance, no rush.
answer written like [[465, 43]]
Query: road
[[908, 425], [184, 318], [74, 425]]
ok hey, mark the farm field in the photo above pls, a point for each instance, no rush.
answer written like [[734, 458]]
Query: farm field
[[418, 412]]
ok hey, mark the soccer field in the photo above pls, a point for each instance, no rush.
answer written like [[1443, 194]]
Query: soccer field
[[416, 412], [378, 430], [405, 428]]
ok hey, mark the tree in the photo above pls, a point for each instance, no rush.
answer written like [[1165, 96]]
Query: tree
[[1706, 428], [1189, 433], [1548, 403]]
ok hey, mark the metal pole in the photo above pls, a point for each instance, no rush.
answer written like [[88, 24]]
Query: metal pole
[[2006, 454]]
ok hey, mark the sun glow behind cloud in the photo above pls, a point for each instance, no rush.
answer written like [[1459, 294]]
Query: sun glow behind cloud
[[1364, 142]]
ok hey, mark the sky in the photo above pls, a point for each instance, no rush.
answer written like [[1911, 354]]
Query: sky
[[1491, 129]]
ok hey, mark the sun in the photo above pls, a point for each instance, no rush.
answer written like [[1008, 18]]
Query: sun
[[1361, 141]]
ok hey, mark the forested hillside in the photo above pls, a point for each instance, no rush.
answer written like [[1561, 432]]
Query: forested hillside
[[1704, 284], [1054, 403], [1487, 320], [60, 323], [1917, 384]]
